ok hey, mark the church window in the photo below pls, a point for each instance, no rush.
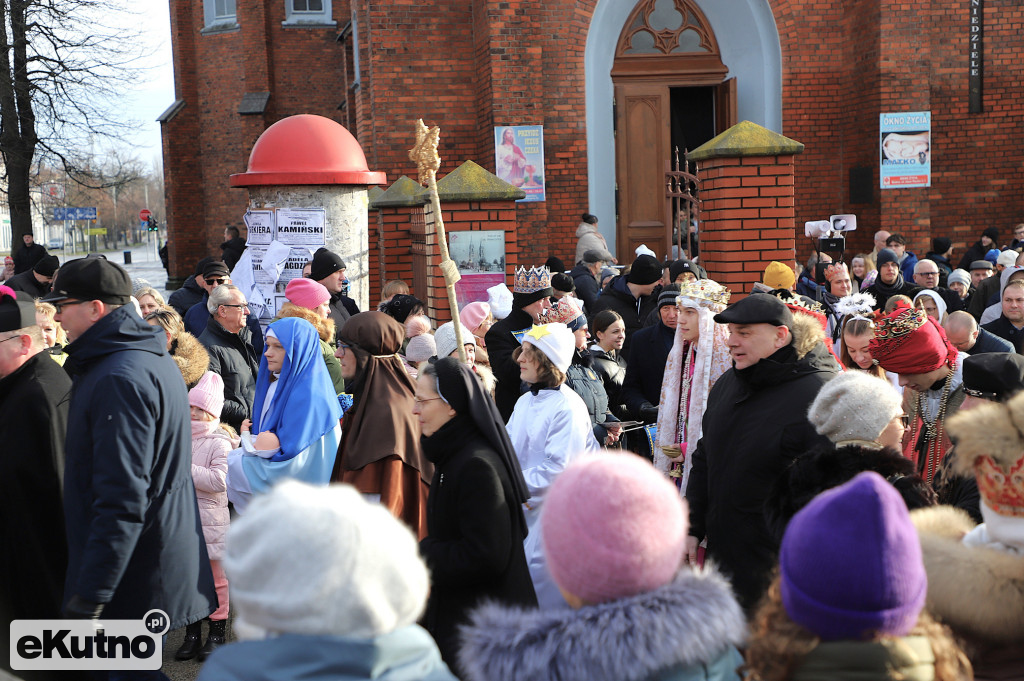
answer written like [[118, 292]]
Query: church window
[[308, 13]]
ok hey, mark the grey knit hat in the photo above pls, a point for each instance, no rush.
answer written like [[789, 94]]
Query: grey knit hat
[[444, 339], [854, 406]]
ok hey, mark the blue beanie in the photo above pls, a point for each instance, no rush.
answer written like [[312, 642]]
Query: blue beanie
[[886, 255], [851, 563], [993, 255]]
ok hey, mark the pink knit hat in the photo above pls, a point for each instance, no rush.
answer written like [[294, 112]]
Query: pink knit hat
[[613, 527], [474, 314], [307, 293], [208, 394]]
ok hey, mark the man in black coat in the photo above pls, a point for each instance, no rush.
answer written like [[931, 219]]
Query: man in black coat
[[34, 397], [228, 342], [328, 268], [192, 291], [645, 369], [216, 274], [965, 335], [632, 296], [135, 542], [233, 246], [755, 426], [890, 280], [28, 255], [584, 276], [531, 300], [36, 281], [1010, 324]]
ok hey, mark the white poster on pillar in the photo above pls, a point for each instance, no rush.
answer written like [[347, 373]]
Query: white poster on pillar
[[304, 227]]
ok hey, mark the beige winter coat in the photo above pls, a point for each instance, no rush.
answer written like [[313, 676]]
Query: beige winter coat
[[589, 239]]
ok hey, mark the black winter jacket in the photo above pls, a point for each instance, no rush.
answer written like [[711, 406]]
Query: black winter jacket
[[342, 307], [645, 368], [135, 541], [185, 297], [231, 251], [233, 358], [754, 428], [27, 282], [587, 288], [501, 343], [616, 296], [612, 371], [475, 530]]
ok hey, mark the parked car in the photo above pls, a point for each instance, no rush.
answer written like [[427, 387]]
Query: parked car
[[55, 245]]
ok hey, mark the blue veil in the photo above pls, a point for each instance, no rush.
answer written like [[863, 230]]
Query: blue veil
[[305, 405]]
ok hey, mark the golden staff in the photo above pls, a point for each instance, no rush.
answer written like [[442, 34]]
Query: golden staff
[[424, 154]]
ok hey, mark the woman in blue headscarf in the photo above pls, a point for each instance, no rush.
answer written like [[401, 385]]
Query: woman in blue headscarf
[[295, 416]]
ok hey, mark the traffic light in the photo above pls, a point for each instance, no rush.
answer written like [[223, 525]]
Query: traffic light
[[152, 226]]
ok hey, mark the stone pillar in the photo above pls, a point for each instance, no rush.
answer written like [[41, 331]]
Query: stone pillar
[[310, 161], [746, 213]]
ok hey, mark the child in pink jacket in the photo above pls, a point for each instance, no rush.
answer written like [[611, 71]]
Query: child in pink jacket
[[211, 442]]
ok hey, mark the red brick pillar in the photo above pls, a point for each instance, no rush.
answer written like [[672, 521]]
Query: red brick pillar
[[394, 231], [746, 214]]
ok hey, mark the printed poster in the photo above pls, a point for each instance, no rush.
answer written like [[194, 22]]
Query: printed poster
[[302, 226], [519, 158], [260, 227], [480, 257], [905, 149]]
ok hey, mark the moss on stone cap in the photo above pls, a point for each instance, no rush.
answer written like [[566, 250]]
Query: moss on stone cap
[[404, 192], [471, 182], [373, 193], [746, 139]]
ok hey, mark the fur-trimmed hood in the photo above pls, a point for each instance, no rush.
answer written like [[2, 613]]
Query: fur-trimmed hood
[[694, 620], [191, 358], [807, 333], [977, 591], [324, 327]]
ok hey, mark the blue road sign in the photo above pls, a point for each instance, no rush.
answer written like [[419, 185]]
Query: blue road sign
[[73, 213]]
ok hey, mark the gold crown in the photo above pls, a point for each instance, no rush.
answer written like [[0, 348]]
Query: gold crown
[[531, 280], [705, 290]]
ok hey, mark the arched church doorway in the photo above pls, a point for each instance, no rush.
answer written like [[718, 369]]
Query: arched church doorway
[[671, 91]]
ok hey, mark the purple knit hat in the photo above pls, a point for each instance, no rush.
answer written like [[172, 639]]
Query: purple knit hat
[[613, 527], [851, 563]]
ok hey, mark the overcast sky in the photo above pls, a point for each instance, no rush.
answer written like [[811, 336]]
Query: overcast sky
[[154, 92]]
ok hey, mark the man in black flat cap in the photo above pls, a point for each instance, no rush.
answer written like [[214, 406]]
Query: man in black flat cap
[[215, 273], [134, 538], [34, 395], [755, 426], [36, 281], [988, 377], [328, 268], [633, 296]]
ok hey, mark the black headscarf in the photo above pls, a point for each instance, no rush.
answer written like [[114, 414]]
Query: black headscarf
[[400, 306], [464, 393]]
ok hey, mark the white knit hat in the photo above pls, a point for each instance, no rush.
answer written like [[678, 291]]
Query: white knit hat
[[323, 561], [444, 339], [556, 341], [499, 298], [854, 406]]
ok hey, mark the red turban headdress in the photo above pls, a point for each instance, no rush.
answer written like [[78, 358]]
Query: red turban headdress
[[908, 341]]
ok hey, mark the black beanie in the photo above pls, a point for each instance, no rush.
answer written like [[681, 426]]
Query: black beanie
[[645, 270], [47, 265], [941, 244], [560, 281], [991, 233], [324, 264]]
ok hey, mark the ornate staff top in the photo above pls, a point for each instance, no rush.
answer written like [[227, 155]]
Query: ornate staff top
[[424, 153]]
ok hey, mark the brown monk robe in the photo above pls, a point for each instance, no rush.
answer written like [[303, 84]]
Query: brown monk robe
[[380, 452]]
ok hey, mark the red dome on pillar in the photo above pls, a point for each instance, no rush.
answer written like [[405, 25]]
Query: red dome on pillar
[[307, 150]]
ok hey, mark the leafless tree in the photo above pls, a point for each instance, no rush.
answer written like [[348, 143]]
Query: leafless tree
[[63, 65]]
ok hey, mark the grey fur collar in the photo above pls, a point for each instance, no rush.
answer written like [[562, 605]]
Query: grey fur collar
[[692, 620]]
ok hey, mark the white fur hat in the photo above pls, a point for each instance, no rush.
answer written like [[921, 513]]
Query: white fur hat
[[499, 298], [556, 341], [854, 406], [323, 561], [444, 339]]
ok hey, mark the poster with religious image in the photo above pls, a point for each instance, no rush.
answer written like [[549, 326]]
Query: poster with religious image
[[519, 158], [905, 149]]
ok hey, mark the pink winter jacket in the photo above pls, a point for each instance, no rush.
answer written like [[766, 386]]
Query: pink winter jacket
[[210, 447]]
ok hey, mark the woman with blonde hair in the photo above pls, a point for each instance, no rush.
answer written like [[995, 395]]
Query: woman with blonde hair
[[149, 299], [53, 332], [185, 349]]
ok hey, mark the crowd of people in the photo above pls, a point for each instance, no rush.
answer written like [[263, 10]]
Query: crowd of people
[[602, 473]]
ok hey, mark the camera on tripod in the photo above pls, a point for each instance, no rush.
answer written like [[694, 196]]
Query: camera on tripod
[[829, 237]]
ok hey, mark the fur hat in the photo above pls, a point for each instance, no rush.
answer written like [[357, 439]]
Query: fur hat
[[613, 527], [851, 564], [990, 444], [645, 270], [416, 324], [778, 275], [499, 299], [421, 348], [854, 406], [556, 341], [444, 339], [474, 314], [307, 293], [959, 275], [323, 561], [208, 394]]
